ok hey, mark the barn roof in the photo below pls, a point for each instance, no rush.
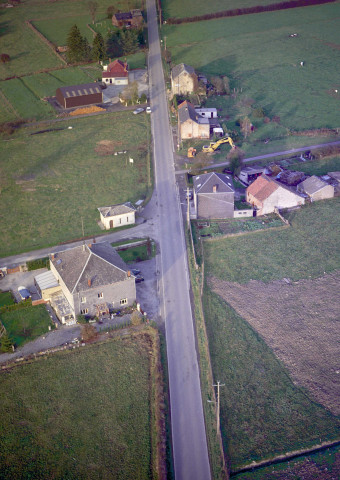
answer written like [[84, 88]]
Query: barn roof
[[263, 187], [80, 90], [313, 184]]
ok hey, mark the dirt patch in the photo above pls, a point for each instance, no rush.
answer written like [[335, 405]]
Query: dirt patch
[[107, 147], [83, 111], [300, 322]]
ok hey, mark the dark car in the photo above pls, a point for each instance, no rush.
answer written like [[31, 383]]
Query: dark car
[[135, 271], [139, 278], [24, 293]]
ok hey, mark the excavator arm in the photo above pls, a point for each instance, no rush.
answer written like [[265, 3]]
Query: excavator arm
[[214, 145]]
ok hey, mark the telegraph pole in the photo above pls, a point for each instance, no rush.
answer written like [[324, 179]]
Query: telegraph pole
[[188, 206], [218, 385]]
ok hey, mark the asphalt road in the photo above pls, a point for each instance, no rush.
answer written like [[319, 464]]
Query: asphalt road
[[190, 452]]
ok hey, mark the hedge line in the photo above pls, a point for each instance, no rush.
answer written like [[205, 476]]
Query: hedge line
[[247, 10], [17, 306]]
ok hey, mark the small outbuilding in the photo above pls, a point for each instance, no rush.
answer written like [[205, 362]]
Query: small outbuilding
[[316, 189], [47, 285], [79, 95], [117, 215], [131, 19]]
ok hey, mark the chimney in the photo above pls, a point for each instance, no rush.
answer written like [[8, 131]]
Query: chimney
[[52, 256], [215, 188], [128, 273], [89, 282], [90, 245]]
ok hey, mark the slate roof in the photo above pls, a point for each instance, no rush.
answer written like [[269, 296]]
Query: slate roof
[[118, 209], [186, 111], [182, 67], [312, 185], [80, 90], [205, 183], [98, 264]]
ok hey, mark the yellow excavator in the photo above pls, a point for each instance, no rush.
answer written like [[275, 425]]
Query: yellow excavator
[[214, 145]]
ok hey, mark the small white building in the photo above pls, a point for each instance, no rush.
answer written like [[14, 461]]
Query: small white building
[[207, 112], [117, 215]]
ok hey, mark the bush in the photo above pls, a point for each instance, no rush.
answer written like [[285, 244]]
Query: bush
[[259, 112], [16, 306], [38, 263], [6, 343]]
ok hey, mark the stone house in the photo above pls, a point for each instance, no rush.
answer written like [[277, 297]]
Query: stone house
[[93, 278], [190, 123], [183, 80], [131, 19], [116, 73], [117, 215], [213, 195], [267, 194], [316, 189]]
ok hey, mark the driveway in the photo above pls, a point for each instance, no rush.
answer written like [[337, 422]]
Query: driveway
[[25, 279]]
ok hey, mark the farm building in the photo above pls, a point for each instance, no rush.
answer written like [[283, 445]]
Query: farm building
[[267, 195], [117, 215], [190, 123], [79, 95], [213, 196], [132, 19], [116, 73], [183, 79], [248, 174], [316, 189], [93, 278]]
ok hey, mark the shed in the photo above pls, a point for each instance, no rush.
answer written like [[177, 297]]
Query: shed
[[316, 189], [207, 112], [117, 215], [79, 95]]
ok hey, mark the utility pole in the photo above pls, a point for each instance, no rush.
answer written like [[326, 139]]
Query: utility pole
[[188, 206], [218, 385]]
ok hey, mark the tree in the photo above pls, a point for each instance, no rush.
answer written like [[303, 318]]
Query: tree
[[86, 49], [217, 82], [128, 40], [93, 9], [6, 343], [4, 58], [75, 45], [246, 126], [226, 84], [113, 48], [235, 158], [98, 49]]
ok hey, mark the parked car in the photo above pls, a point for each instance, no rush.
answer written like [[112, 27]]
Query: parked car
[[24, 293], [138, 110], [139, 278], [148, 109], [135, 271]]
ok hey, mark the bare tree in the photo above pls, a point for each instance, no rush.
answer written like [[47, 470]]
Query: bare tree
[[92, 6]]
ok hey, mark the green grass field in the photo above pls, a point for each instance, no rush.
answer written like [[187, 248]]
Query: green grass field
[[307, 249], [26, 324], [6, 298], [61, 178], [79, 414], [262, 413], [263, 62], [320, 167], [190, 8]]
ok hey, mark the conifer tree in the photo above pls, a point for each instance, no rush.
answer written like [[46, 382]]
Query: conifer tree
[[75, 45], [98, 49]]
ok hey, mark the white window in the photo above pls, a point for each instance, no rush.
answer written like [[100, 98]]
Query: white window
[[100, 295], [123, 301], [83, 299], [84, 311]]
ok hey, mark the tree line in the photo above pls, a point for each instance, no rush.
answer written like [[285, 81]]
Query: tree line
[[117, 44], [247, 10]]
